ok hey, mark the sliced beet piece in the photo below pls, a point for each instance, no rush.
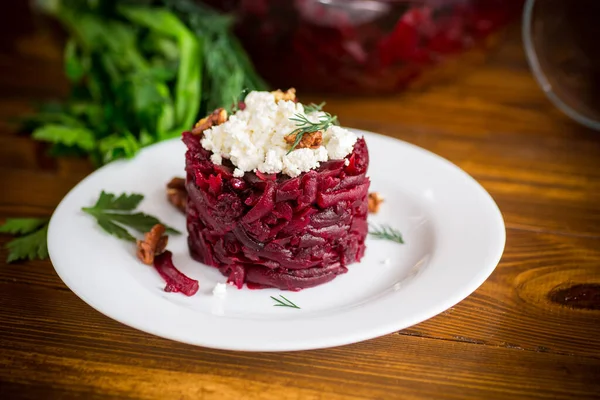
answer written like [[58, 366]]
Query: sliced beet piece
[[176, 281]]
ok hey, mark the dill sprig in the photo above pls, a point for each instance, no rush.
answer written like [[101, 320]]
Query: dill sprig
[[312, 107], [284, 303], [386, 232], [304, 126], [236, 100]]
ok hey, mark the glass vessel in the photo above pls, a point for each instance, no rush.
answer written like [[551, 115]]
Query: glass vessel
[[561, 44], [363, 46]]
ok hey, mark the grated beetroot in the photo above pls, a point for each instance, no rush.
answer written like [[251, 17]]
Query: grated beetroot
[[176, 281], [270, 230]]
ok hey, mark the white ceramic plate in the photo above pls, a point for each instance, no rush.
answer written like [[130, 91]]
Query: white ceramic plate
[[454, 237]]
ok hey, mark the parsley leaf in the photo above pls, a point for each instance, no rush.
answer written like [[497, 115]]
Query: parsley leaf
[[139, 221], [114, 215], [70, 136], [31, 246], [114, 229], [74, 65], [117, 146], [125, 202], [22, 226], [141, 71]]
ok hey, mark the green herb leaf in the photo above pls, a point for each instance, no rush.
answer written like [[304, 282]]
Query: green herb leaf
[[22, 226], [386, 232], [228, 68], [117, 146], [307, 126], [142, 71], [70, 136], [312, 107], [139, 221], [284, 303], [113, 214], [29, 247], [236, 100], [74, 66], [188, 86], [112, 228], [125, 202], [52, 117]]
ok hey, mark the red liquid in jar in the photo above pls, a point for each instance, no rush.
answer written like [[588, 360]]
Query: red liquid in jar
[[353, 46]]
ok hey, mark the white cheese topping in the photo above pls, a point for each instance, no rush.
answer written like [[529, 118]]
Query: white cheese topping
[[253, 138], [220, 290]]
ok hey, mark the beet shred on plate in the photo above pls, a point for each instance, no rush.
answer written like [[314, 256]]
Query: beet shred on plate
[[272, 230], [175, 279]]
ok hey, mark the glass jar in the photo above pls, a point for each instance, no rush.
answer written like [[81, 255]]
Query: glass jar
[[362, 46], [561, 45]]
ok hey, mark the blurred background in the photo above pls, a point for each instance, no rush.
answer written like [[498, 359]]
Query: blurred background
[[110, 76], [366, 47]]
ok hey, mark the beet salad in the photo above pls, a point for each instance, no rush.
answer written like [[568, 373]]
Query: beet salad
[[276, 193]]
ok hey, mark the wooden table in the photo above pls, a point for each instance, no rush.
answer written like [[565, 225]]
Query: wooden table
[[520, 335]]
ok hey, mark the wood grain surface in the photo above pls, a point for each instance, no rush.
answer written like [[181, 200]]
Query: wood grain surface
[[532, 330]]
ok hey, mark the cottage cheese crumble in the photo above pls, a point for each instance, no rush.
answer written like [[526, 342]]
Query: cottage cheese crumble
[[220, 290], [253, 138]]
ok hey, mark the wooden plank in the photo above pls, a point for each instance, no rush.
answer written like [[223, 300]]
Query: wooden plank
[[34, 67], [515, 307], [512, 309], [17, 152], [33, 192], [414, 368]]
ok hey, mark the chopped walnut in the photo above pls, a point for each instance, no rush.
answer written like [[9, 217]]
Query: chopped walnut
[[217, 117], [154, 243], [311, 140], [374, 201], [177, 194], [288, 95]]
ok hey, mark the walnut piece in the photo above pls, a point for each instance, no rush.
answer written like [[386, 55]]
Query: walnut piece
[[217, 117], [154, 243], [311, 140], [374, 201], [288, 95], [177, 194]]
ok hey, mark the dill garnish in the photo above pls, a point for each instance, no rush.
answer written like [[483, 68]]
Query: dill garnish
[[284, 303], [304, 125], [386, 232], [312, 107], [236, 100]]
